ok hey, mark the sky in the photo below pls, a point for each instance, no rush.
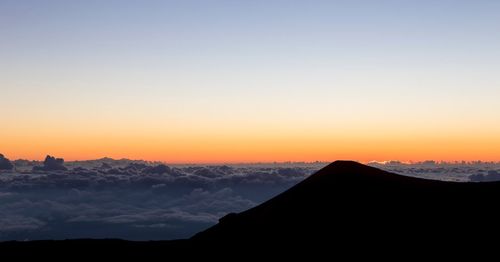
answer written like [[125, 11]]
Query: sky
[[250, 81]]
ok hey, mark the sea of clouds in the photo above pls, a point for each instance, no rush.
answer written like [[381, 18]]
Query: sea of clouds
[[141, 200], [130, 199]]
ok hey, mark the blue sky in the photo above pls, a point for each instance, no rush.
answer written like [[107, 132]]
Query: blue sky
[[262, 65]]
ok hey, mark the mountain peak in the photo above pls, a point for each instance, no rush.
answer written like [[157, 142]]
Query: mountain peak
[[346, 170], [344, 166]]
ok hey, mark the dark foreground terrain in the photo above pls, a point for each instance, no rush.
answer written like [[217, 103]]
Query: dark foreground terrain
[[345, 208]]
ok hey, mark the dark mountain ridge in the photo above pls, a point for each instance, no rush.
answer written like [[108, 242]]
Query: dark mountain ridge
[[350, 202]]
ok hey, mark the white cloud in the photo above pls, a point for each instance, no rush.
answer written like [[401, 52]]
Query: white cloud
[[19, 223]]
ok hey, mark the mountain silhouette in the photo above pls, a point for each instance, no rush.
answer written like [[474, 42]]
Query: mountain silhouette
[[345, 208], [357, 206]]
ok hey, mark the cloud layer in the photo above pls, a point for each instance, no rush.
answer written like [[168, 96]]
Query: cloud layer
[[141, 200], [51, 164], [460, 171], [131, 199]]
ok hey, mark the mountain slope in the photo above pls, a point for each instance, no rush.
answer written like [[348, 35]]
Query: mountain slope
[[357, 204]]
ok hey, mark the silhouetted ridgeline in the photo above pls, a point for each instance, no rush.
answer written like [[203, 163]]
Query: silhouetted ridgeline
[[345, 208]]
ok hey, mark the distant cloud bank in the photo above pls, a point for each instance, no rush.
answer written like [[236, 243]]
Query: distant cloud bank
[[5, 163], [51, 164]]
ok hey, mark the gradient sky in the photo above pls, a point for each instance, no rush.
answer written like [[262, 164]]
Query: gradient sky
[[247, 81]]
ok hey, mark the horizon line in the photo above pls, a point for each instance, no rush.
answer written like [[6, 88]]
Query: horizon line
[[384, 162]]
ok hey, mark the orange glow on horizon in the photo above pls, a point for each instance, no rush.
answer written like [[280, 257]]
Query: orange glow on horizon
[[212, 148], [245, 141]]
